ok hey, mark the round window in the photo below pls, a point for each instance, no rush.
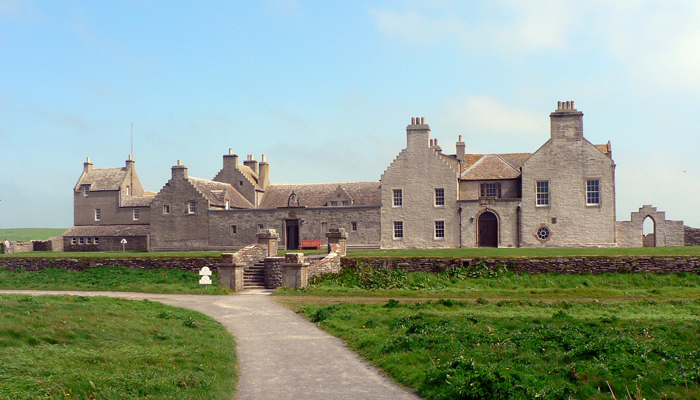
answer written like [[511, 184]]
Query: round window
[[543, 233]]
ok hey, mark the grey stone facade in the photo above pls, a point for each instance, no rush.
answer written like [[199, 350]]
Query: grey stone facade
[[562, 195]]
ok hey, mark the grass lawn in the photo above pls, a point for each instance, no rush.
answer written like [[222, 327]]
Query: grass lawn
[[449, 349], [27, 234], [111, 279], [68, 347], [518, 336]]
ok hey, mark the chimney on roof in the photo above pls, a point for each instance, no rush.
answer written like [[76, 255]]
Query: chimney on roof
[[264, 173], [250, 162], [179, 171], [87, 166], [130, 163], [230, 161], [461, 149], [418, 133], [566, 122]]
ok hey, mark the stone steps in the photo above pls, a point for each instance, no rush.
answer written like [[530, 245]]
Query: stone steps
[[254, 276]]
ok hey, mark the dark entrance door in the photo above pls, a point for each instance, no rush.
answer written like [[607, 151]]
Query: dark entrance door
[[488, 230], [292, 234]]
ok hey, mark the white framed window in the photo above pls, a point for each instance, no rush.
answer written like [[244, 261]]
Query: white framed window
[[439, 197], [98, 214], [346, 203], [86, 190], [334, 204], [166, 209], [127, 190], [593, 192], [96, 241], [234, 229], [191, 207], [73, 240], [89, 240], [261, 227], [398, 229], [491, 189], [439, 229], [542, 193], [136, 214], [398, 197], [353, 226], [82, 241], [226, 205]]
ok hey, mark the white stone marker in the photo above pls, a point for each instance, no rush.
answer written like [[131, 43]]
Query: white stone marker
[[123, 245], [206, 277]]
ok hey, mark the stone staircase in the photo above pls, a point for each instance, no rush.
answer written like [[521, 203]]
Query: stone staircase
[[254, 276]]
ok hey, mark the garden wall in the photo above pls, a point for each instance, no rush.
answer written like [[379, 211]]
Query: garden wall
[[692, 236], [80, 264], [564, 265]]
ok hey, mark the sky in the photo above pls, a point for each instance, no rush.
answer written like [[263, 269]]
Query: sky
[[326, 88]]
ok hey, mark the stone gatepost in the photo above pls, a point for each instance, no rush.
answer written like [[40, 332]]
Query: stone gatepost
[[337, 236], [268, 238], [273, 272], [229, 273], [294, 271]]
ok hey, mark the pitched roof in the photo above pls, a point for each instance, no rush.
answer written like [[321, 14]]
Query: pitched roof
[[317, 194], [138, 201], [490, 166], [108, 230], [102, 179], [218, 192], [250, 174]]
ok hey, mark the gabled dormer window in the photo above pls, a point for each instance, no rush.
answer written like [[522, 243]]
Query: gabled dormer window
[[491, 189], [86, 190]]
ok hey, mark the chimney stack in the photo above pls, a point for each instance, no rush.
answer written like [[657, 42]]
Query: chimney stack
[[87, 166], [418, 133], [230, 161], [264, 173], [179, 171], [566, 122], [461, 149], [130, 163], [250, 162]]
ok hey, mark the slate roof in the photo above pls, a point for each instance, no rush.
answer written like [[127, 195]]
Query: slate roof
[[317, 194], [138, 201], [250, 174], [216, 193], [103, 179], [108, 230], [490, 166]]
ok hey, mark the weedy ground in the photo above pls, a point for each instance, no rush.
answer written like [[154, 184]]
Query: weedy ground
[[519, 336], [110, 279], [72, 347]]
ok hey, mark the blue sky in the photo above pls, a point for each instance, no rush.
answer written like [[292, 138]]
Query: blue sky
[[326, 89]]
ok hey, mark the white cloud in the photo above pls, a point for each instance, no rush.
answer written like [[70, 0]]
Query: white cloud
[[480, 114]]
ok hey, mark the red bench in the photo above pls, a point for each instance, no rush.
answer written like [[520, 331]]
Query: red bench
[[310, 244]]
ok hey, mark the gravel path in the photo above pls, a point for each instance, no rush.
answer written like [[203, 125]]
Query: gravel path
[[281, 355]]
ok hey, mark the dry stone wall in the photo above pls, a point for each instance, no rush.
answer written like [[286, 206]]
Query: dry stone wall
[[692, 236], [563, 265], [81, 264]]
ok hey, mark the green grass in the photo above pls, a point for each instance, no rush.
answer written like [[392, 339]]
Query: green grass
[[111, 279], [521, 252], [523, 349], [27, 234], [476, 282], [116, 254], [66, 347]]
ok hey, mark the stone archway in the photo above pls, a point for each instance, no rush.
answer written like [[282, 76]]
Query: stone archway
[[487, 229], [649, 232]]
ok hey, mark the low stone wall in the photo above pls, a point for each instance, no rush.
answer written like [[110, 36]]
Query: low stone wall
[[81, 264], [273, 272], [563, 265], [13, 247], [248, 255], [692, 236], [328, 264]]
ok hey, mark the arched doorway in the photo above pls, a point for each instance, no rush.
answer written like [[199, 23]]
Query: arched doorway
[[649, 232], [488, 229]]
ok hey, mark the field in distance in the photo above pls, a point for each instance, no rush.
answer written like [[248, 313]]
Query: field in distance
[[27, 234]]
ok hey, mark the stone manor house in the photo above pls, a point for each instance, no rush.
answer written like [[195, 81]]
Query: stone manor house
[[562, 195]]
